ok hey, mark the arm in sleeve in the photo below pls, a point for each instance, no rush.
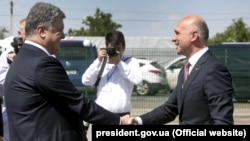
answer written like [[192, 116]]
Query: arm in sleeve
[[162, 114], [90, 75], [219, 91], [130, 70]]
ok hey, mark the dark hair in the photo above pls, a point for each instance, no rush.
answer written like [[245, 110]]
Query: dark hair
[[44, 14], [115, 38], [204, 31]]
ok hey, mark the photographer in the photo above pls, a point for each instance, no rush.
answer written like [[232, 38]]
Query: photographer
[[119, 76], [6, 58]]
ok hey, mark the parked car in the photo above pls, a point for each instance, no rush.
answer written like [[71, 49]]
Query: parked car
[[154, 78], [172, 71], [76, 56]]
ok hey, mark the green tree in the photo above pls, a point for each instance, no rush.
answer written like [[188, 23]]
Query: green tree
[[238, 31], [98, 25], [3, 32]]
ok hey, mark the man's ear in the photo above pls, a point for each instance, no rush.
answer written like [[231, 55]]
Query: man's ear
[[19, 33], [41, 31], [194, 35]]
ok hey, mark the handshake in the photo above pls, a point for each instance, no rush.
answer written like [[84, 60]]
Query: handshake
[[128, 120]]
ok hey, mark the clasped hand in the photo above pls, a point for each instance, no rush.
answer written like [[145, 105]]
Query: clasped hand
[[128, 120]]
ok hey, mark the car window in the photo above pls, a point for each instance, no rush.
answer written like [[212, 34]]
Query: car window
[[141, 64], [76, 58], [73, 53], [178, 64], [155, 64]]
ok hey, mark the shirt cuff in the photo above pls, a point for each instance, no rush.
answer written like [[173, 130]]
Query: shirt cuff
[[139, 120]]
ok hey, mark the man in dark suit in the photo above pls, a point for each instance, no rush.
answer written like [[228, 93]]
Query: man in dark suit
[[42, 104], [206, 96]]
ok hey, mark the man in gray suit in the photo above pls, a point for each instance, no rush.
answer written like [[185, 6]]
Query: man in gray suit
[[42, 104], [206, 97]]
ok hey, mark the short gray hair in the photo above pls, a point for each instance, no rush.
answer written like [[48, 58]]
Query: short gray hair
[[44, 14]]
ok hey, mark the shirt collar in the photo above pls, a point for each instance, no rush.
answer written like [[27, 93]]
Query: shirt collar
[[194, 58], [38, 46]]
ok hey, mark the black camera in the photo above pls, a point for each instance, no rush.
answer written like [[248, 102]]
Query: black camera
[[17, 42], [112, 51]]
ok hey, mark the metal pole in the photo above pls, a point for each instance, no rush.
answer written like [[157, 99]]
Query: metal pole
[[11, 17]]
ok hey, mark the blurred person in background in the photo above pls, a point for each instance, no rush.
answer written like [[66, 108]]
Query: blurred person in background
[[120, 74]]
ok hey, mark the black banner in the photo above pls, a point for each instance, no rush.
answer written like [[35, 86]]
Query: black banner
[[170, 132]]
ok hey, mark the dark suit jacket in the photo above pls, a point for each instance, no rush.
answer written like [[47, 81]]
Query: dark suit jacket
[[1, 117], [205, 99], [43, 105]]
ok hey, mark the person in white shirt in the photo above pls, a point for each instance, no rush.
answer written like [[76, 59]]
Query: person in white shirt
[[119, 76]]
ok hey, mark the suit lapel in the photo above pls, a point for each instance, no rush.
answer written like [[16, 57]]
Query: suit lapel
[[195, 71]]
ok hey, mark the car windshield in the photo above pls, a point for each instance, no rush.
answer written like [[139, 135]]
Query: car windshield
[[155, 64]]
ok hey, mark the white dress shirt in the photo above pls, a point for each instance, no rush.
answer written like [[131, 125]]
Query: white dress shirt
[[116, 85]]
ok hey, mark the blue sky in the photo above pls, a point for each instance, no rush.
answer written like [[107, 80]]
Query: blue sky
[[154, 18]]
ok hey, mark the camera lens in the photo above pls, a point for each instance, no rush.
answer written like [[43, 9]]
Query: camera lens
[[111, 51]]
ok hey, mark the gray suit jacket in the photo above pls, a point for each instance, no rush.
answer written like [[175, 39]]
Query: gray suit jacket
[[43, 105], [205, 99]]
